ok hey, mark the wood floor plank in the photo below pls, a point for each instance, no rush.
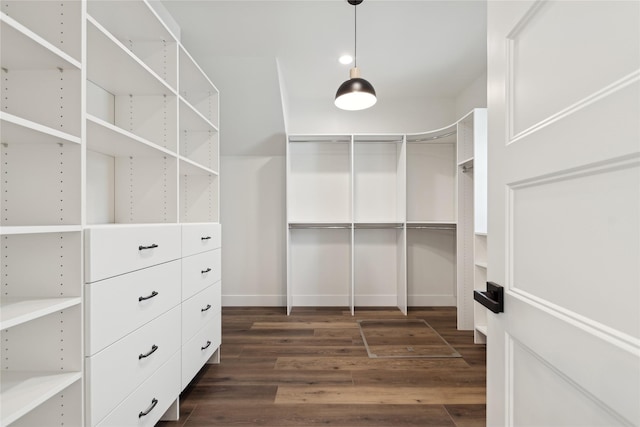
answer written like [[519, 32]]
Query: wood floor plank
[[467, 415], [371, 395], [357, 363], [231, 375], [213, 414], [440, 377], [305, 325], [298, 350]]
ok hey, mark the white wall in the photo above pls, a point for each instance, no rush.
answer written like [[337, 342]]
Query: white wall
[[253, 234], [388, 116], [473, 96]]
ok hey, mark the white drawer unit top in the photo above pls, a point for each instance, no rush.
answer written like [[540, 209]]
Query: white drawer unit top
[[145, 406], [119, 369], [200, 271], [198, 238], [117, 306], [114, 250], [199, 349], [200, 309]]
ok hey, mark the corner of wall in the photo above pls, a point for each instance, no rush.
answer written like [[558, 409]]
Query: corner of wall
[[473, 96], [283, 97]]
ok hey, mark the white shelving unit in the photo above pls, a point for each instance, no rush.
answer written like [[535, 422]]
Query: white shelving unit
[[472, 223], [40, 231], [152, 154], [431, 217], [377, 220], [109, 128]]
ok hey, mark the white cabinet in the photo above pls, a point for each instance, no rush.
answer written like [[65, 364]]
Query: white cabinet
[[384, 220], [152, 244], [41, 231], [201, 298]]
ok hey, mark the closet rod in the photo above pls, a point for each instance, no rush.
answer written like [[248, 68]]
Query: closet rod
[[322, 141], [432, 138], [320, 227], [378, 227], [466, 169], [430, 227]]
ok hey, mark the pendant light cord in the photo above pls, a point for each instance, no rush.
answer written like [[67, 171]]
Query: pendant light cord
[[355, 35]]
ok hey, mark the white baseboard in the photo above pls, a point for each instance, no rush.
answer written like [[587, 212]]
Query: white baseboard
[[321, 301], [376, 301], [254, 300], [431, 301]]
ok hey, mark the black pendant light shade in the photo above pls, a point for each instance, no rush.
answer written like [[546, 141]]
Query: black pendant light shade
[[355, 93]]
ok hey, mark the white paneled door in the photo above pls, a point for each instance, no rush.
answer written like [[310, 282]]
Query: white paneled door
[[564, 213]]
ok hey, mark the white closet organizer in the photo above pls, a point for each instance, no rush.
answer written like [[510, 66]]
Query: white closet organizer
[[152, 245], [376, 220], [472, 207], [41, 223]]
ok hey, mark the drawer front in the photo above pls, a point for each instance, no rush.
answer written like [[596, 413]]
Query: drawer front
[[162, 387], [117, 371], [199, 271], [122, 304], [200, 309], [199, 349], [110, 251], [198, 238]]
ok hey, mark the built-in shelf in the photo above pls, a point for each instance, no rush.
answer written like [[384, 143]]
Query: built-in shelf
[[24, 50], [328, 225], [482, 329], [192, 119], [431, 224], [189, 167], [22, 131], [378, 224], [38, 229], [105, 138], [467, 163], [20, 310], [131, 76], [22, 392], [481, 264]]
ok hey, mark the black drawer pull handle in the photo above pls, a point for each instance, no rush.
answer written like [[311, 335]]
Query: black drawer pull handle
[[206, 346], [153, 294], [205, 271], [205, 238], [206, 308], [154, 402], [141, 248], [153, 350], [493, 298]]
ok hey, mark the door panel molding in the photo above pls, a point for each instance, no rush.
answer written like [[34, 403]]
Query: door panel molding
[[548, 75], [526, 368]]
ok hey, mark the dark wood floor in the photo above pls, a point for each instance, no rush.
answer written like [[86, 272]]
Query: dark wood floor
[[312, 368]]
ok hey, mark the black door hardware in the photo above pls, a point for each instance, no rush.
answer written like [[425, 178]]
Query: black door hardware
[[493, 298]]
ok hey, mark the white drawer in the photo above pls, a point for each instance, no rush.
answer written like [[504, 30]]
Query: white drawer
[[200, 271], [114, 250], [198, 238], [120, 368], [162, 387], [199, 349], [117, 306], [200, 309]]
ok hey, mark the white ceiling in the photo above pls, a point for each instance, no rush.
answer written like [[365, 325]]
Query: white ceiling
[[406, 49]]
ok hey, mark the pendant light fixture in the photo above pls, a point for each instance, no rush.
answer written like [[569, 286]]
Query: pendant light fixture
[[356, 93]]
